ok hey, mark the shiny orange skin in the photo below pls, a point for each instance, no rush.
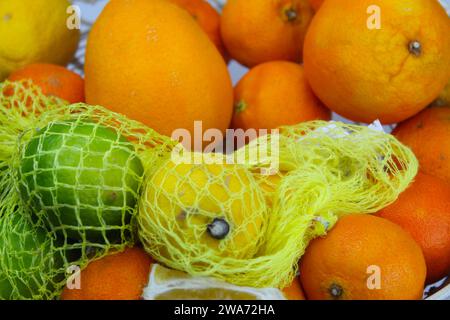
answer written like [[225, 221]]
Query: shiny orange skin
[[364, 73], [424, 211], [54, 80], [208, 19], [428, 135], [256, 31], [294, 291], [338, 266], [121, 276], [152, 62], [316, 4], [274, 94]]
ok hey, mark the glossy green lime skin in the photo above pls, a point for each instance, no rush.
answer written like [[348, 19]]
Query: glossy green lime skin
[[30, 265], [83, 179]]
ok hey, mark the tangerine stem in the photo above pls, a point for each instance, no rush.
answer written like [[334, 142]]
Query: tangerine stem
[[415, 47], [291, 14], [335, 291], [240, 106]]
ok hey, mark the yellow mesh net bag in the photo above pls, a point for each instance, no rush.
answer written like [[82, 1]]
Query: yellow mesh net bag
[[75, 180], [74, 171], [237, 223]]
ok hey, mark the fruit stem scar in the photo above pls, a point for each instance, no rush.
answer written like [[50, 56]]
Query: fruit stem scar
[[218, 229], [415, 47], [291, 14], [7, 17], [335, 291], [240, 106]]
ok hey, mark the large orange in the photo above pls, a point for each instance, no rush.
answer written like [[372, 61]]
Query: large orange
[[428, 135], [121, 276], [424, 211], [273, 94], [363, 257], [256, 31], [54, 80], [208, 18], [389, 73], [152, 62]]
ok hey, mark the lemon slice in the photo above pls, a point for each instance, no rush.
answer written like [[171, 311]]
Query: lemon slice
[[168, 284]]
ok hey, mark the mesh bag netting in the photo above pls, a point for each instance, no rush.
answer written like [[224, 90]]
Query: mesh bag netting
[[251, 229], [75, 178], [22, 106], [74, 171], [195, 216], [32, 264]]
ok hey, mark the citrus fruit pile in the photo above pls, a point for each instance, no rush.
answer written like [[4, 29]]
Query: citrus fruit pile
[[124, 180]]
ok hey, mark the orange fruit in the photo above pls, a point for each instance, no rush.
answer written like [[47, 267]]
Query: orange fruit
[[294, 291], [365, 73], [424, 211], [316, 4], [208, 19], [257, 31], [121, 276], [363, 258], [274, 94], [54, 80], [150, 61], [428, 135]]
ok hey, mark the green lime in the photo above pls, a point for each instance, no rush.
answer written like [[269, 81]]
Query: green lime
[[30, 265], [83, 179]]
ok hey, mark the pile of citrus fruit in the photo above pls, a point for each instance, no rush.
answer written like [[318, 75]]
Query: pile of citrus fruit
[[162, 65]]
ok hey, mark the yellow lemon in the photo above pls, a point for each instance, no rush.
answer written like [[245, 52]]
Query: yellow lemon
[[195, 215], [35, 31]]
